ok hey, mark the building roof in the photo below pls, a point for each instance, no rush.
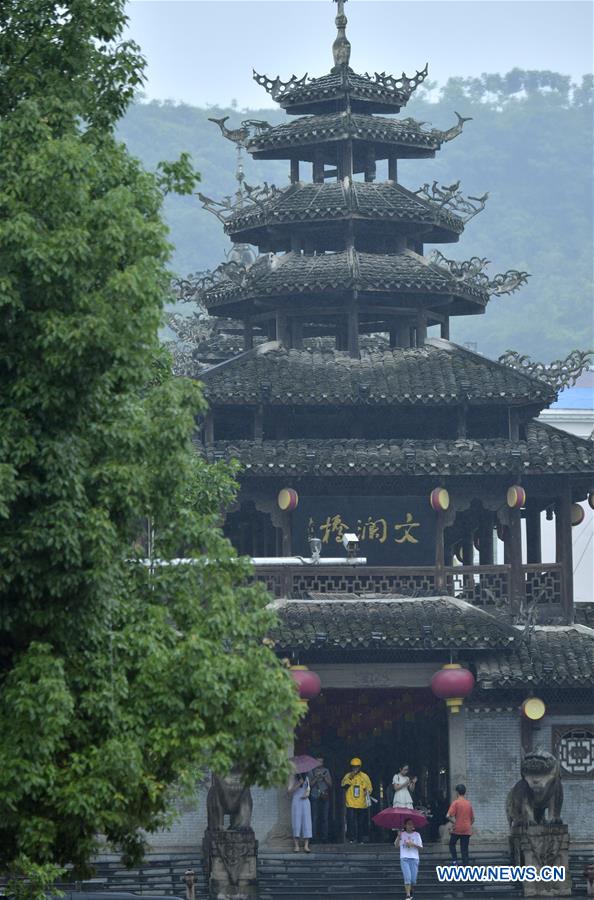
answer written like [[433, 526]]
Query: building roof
[[290, 274], [405, 137], [545, 451], [384, 202], [554, 654], [440, 373], [326, 622], [374, 93]]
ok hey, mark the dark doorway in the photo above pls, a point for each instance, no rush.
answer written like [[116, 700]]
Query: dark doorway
[[251, 532], [386, 728]]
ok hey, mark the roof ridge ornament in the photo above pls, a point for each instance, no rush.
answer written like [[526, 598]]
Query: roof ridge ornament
[[448, 197], [559, 374], [471, 272], [341, 48], [275, 86], [452, 132]]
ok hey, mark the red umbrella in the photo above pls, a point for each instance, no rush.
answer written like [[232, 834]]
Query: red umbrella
[[304, 763], [396, 816]]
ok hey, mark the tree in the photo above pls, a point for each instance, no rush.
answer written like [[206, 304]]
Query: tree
[[118, 681]]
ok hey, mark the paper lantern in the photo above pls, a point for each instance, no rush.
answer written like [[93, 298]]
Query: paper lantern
[[287, 499], [308, 683], [533, 709], [578, 514], [452, 683], [439, 499], [516, 497]]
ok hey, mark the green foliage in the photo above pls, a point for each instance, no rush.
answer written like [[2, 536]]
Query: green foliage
[[529, 145], [117, 681]]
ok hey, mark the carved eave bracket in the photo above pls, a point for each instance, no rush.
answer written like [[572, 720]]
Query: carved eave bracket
[[452, 132], [277, 88], [449, 197], [559, 374], [471, 272]]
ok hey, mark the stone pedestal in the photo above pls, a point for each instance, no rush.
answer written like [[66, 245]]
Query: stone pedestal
[[538, 846], [231, 864]]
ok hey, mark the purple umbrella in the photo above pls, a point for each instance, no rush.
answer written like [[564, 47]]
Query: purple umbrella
[[396, 816], [304, 763]]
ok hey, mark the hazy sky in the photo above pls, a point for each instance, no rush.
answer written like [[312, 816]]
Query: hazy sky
[[203, 51]]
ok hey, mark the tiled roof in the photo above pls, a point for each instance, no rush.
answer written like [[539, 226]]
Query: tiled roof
[[309, 130], [440, 373], [334, 200], [558, 655], [295, 273], [374, 94], [545, 451], [327, 622]]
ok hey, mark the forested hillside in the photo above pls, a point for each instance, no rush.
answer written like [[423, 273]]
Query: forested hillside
[[529, 145]]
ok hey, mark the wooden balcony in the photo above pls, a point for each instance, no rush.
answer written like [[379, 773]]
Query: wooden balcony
[[490, 587]]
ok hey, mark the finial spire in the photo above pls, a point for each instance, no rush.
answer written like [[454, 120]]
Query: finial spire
[[341, 48]]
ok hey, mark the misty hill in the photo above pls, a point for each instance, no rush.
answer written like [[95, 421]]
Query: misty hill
[[529, 145]]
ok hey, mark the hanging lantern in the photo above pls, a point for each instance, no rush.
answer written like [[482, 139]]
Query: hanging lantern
[[533, 709], [287, 499], [452, 683], [516, 497], [591, 500], [439, 499], [578, 514], [308, 683]]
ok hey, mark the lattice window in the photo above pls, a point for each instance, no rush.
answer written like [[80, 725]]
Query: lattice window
[[574, 747], [544, 586]]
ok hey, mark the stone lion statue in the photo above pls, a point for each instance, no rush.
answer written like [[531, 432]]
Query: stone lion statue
[[539, 790], [229, 796]]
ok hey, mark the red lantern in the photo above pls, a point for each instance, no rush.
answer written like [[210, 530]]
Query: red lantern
[[577, 514], [439, 499], [308, 683], [452, 683], [287, 499], [516, 497]]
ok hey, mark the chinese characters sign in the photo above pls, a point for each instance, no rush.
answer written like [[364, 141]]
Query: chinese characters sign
[[392, 531]]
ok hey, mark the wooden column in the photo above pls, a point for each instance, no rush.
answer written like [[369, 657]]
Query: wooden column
[[208, 429], [468, 547], [440, 578], [353, 328], [259, 424], [402, 336], [533, 541], [392, 168], [514, 425], [370, 167], [294, 171], [346, 170], [297, 334], [486, 539], [457, 750], [282, 329], [248, 337], [421, 329], [565, 551], [445, 328], [318, 166], [517, 583], [461, 422]]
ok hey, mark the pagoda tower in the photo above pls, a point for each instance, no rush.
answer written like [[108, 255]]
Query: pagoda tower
[[349, 408]]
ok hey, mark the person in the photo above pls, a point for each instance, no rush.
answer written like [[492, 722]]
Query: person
[[410, 842], [401, 783], [299, 789], [321, 784], [357, 800], [461, 815]]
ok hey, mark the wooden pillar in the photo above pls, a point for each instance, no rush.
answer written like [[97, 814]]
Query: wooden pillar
[[402, 336], [421, 329], [346, 169], [318, 166], [565, 551], [248, 337], [209, 428], [468, 547], [282, 329], [297, 334], [445, 328], [353, 328], [533, 541], [392, 168], [514, 425], [457, 750], [486, 539], [440, 578], [294, 171], [259, 424], [370, 167], [461, 422], [517, 583]]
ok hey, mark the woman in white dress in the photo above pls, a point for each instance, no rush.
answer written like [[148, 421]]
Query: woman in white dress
[[402, 785]]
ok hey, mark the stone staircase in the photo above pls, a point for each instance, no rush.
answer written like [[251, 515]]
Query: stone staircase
[[160, 873]]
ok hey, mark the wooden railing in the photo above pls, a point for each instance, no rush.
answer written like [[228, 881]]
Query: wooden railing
[[481, 585]]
